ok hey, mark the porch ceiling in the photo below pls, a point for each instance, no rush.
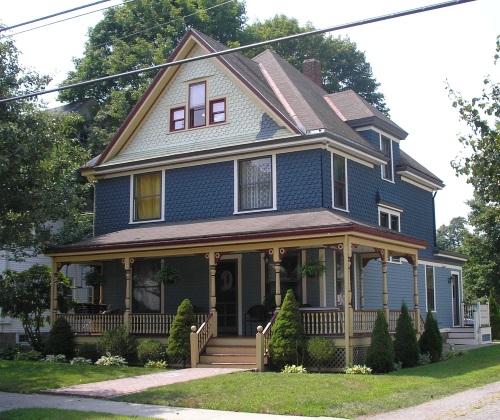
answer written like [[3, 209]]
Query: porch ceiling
[[314, 227]]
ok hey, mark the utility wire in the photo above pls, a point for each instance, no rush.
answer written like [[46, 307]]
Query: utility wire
[[247, 47], [53, 15], [72, 17]]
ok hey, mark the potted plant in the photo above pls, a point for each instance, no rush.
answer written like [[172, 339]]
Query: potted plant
[[312, 268], [167, 275], [94, 277]]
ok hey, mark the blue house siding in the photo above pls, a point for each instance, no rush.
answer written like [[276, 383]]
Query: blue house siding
[[199, 192], [112, 205]]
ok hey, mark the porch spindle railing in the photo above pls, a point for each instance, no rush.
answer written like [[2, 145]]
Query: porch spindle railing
[[468, 311], [267, 332], [92, 323], [323, 321], [364, 321], [199, 338]]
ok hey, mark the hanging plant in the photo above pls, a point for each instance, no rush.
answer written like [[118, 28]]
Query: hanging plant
[[94, 278], [312, 268], [167, 275]]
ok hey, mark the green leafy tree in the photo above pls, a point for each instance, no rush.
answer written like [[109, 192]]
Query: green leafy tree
[[494, 317], [343, 65], [179, 340], [431, 340], [451, 237], [39, 158], [288, 340], [322, 350], [60, 339], [25, 295], [406, 348], [380, 355]]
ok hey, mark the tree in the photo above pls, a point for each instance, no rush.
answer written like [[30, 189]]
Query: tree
[[39, 158], [431, 340], [494, 318], [288, 339], [179, 339], [406, 348], [25, 295], [343, 65], [451, 237], [380, 354]]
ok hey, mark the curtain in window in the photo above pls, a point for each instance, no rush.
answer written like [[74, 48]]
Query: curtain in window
[[148, 196], [145, 291], [256, 184]]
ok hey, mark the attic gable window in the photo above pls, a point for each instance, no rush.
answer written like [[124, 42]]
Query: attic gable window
[[197, 104], [177, 119], [387, 169], [217, 111]]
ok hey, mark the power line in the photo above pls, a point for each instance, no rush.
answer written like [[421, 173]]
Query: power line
[[72, 17], [247, 47], [53, 15]]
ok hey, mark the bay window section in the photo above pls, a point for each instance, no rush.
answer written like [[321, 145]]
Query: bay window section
[[197, 99], [147, 196], [339, 182], [255, 184]]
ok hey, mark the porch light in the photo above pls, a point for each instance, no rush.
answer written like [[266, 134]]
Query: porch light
[[450, 279]]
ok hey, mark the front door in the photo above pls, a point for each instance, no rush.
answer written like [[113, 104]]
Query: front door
[[226, 281], [456, 300]]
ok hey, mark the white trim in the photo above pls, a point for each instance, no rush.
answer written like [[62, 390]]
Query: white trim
[[379, 131], [162, 199], [237, 190], [333, 183], [391, 160], [440, 265], [387, 209], [418, 181], [451, 257], [434, 288]]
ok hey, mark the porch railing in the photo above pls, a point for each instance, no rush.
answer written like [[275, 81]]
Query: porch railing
[[323, 321], [199, 338], [468, 310], [92, 323], [267, 332]]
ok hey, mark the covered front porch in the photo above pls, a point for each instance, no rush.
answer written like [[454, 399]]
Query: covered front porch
[[230, 265]]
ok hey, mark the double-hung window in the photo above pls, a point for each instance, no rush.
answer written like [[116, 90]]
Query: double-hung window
[[430, 288], [197, 104], [255, 184], [147, 196], [386, 147], [389, 217], [177, 119], [217, 111], [339, 182]]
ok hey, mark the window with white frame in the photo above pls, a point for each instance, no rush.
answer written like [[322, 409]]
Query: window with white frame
[[147, 197], [255, 184], [386, 147], [430, 288], [339, 175], [389, 218]]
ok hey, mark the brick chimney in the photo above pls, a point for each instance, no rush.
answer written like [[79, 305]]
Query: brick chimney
[[312, 69]]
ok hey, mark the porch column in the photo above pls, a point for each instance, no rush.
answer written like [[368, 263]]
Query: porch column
[[348, 311], [213, 258], [277, 254], [128, 262], [362, 283], [414, 261], [385, 294], [53, 290]]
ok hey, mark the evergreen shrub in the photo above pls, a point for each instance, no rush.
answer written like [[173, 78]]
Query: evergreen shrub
[[179, 339], [288, 339], [60, 339], [406, 348], [431, 340], [380, 355]]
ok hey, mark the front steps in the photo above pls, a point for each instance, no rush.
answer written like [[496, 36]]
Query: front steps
[[229, 352], [461, 335]]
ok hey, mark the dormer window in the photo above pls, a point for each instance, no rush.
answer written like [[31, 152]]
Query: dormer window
[[197, 105], [389, 216], [387, 169]]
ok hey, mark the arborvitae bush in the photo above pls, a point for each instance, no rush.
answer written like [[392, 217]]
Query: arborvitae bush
[[321, 349], [118, 343], [60, 339], [179, 339], [288, 338], [150, 349], [406, 348], [494, 318], [380, 355], [431, 340]]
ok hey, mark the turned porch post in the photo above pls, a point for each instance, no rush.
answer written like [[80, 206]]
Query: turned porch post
[[277, 254], [362, 283], [414, 262], [348, 311], [385, 294], [213, 259], [127, 262]]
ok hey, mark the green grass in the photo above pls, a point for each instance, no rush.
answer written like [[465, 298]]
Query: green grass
[[346, 396], [53, 414], [30, 377]]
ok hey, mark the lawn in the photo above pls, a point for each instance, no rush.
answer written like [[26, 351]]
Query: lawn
[[53, 414], [346, 396]]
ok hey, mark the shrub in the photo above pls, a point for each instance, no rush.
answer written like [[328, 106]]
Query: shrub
[[380, 355], [294, 369], [447, 355], [159, 364], [321, 349], [288, 338], [81, 361], [54, 358], [109, 360], [30, 355], [150, 350], [9, 352], [358, 370], [406, 348], [88, 351], [118, 342], [431, 340], [424, 359], [494, 318], [60, 339], [179, 340]]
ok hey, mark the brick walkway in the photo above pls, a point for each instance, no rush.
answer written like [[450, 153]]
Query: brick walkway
[[117, 387]]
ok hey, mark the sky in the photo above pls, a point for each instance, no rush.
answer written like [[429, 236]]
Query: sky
[[412, 57]]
